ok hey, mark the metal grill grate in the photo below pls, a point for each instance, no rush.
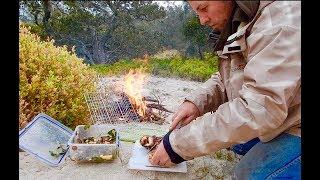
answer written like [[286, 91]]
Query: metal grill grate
[[108, 106]]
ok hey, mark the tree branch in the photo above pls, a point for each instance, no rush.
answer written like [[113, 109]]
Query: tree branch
[[56, 4]]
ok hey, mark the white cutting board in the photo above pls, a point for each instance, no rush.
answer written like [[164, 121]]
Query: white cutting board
[[139, 160]]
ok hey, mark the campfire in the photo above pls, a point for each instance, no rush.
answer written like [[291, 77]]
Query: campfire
[[123, 101], [148, 108]]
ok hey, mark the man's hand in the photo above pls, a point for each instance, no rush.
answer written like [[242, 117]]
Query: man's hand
[[185, 114], [161, 158]]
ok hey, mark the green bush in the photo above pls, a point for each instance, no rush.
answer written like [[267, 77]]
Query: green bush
[[121, 67], [191, 68], [36, 29], [52, 80], [167, 54]]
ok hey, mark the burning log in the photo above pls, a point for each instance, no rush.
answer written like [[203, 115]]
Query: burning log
[[156, 118], [130, 106], [158, 106], [145, 110], [147, 98], [151, 116], [133, 83]]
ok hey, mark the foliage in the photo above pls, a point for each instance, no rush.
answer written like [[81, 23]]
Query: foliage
[[224, 155], [121, 67], [195, 33], [106, 31], [101, 31], [36, 29], [167, 54], [176, 66], [193, 27], [53, 80]]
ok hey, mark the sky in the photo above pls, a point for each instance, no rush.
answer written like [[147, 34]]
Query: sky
[[166, 3]]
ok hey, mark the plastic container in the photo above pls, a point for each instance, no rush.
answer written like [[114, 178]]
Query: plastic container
[[42, 135], [93, 152]]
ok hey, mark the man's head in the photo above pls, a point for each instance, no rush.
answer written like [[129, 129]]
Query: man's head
[[213, 13]]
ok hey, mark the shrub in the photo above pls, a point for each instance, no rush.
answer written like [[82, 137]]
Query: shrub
[[167, 54], [121, 67], [36, 29], [176, 66], [190, 68], [52, 80]]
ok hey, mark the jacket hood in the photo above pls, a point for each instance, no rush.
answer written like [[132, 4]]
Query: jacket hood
[[249, 7]]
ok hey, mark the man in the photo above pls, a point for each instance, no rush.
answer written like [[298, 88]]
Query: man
[[254, 99]]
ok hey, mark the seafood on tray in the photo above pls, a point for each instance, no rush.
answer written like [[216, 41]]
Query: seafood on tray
[[151, 143]]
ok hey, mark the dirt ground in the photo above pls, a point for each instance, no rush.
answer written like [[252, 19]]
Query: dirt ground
[[172, 92]]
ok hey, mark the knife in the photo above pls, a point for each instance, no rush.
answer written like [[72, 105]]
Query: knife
[[155, 166]]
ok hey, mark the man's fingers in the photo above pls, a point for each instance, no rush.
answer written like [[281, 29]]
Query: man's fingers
[[165, 162], [160, 157], [176, 121], [178, 115], [155, 159], [161, 163], [175, 115], [187, 120], [168, 164]]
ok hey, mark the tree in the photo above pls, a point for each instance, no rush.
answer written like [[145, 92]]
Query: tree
[[101, 30], [196, 33], [34, 8], [105, 31]]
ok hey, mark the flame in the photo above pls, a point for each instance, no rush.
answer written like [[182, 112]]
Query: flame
[[133, 83]]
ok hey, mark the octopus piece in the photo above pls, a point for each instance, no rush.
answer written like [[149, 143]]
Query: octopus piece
[[151, 143]]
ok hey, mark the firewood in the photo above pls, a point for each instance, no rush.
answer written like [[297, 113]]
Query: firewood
[[147, 98], [158, 106]]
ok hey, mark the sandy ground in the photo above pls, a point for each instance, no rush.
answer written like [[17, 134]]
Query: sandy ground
[[172, 92]]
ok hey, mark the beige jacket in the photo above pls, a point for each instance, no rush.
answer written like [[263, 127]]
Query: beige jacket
[[257, 90]]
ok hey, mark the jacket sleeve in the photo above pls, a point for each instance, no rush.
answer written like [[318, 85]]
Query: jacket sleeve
[[271, 80], [209, 95]]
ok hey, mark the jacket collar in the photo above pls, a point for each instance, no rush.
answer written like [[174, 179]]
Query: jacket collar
[[243, 11], [237, 41]]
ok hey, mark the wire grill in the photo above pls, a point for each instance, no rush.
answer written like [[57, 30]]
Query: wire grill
[[110, 106]]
